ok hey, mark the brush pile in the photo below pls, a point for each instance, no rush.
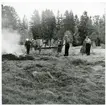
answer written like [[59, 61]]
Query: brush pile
[[15, 57]]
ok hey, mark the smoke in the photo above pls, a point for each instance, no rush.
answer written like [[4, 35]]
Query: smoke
[[10, 42]]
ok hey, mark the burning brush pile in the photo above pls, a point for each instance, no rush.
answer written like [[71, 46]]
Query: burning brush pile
[[11, 49], [15, 57]]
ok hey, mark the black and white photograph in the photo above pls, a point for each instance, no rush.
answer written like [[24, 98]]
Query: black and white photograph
[[53, 52]]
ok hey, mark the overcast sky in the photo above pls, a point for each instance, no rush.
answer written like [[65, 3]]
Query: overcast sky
[[97, 8]]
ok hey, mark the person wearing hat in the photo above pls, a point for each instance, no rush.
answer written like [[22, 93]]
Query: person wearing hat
[[28, 45]]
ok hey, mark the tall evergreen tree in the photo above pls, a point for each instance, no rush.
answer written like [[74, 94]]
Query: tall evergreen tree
[[99, 26], [76, 37], [10, 19], [24, 31], [60, 26], [83, 26], [69, 23], [48, 24], [35, 25]]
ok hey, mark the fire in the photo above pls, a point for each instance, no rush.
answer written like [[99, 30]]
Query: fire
[[10, 42]]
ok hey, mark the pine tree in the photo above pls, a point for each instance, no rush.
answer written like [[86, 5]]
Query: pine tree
[[69, 23], [35, 25], [82, 29], [48, 25], [10, 19]]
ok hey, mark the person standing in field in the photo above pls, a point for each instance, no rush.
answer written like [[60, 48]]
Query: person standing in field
[[88, 45], [28, 45], [83, 48], [67, 43], [60, 45]]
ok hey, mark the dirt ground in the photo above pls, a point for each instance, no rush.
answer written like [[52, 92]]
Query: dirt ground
[[76, 79]]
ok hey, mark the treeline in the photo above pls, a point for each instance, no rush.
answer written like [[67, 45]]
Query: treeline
[[48, 26]]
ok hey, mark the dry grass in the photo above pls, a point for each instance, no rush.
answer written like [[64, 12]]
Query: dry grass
[[48, 79]]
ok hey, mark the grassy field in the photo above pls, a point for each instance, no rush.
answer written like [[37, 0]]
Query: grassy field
[[77, 79]]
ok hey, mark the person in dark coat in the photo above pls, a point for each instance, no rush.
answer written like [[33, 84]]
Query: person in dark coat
[[60, 45], [88, 45], [28, 45], [83, 48], [67, 45]]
